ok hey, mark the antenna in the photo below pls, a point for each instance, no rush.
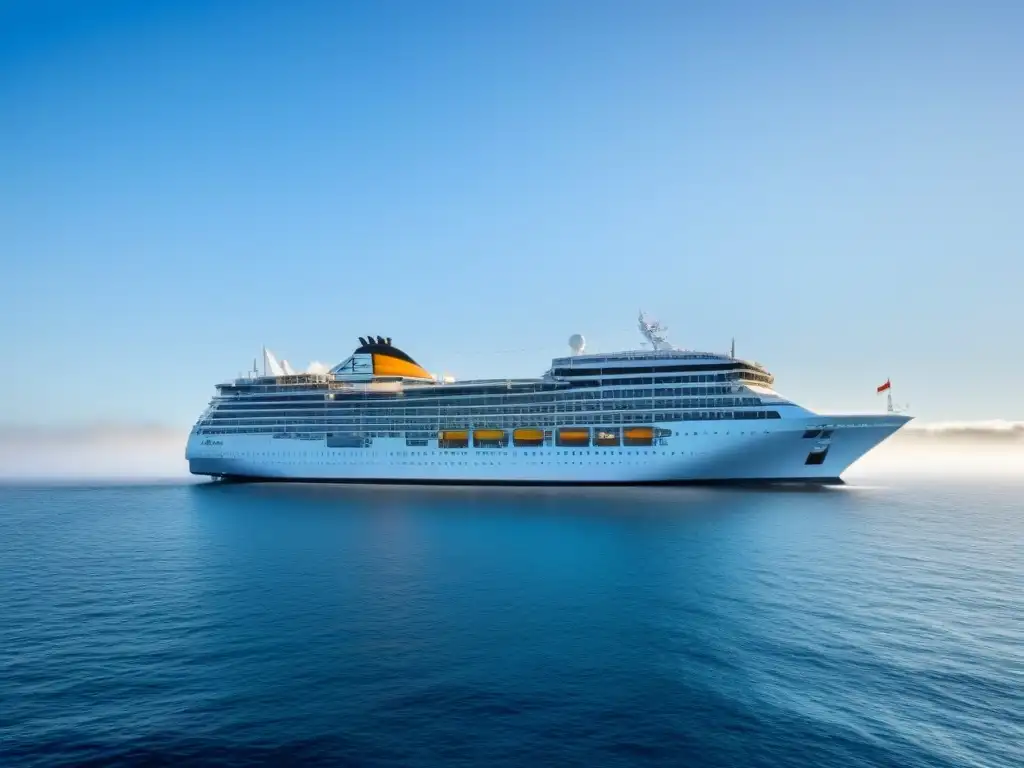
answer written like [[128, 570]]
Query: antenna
[[732, 349], [653, 331]]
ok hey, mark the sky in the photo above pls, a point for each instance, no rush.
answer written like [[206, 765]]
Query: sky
[[839, 186]]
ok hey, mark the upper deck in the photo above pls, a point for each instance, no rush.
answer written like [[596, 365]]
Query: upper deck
[[612, 367], [377, 366]]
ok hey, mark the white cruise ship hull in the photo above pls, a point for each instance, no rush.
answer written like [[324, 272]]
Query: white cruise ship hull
[[696, 452]]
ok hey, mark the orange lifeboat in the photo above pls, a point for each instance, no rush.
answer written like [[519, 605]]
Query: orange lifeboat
[[574, 436], [638, 435], [528, 437], [453, 438], [490, 438]]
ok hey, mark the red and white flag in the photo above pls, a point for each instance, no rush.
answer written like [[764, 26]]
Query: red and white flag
[[885, 386]]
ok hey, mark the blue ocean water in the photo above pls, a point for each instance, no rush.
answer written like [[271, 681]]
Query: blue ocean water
[[245, 625]]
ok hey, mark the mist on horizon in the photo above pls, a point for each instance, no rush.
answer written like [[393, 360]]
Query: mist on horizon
[[139, 453], [952, 450]]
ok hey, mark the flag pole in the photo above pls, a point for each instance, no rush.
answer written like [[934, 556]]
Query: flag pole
[[889, 393]]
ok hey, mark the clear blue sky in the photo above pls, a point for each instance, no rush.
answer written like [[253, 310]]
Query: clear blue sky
[[839, 185]]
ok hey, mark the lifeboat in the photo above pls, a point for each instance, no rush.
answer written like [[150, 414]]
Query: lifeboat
[[607, 437], [453, 438], [638, 436], [574, 436], [527, 438], [490, 438]]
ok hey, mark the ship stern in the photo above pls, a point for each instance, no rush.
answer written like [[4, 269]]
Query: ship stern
[[205, 455]]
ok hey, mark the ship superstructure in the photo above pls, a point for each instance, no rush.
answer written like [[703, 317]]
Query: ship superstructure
[[656, 415]]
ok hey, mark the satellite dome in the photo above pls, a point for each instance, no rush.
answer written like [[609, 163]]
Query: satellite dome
[[577, 343]]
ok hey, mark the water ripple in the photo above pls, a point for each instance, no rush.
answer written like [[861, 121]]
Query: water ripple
[[396, 627]]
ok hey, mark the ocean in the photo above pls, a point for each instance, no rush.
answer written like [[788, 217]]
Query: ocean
[[878, 624]]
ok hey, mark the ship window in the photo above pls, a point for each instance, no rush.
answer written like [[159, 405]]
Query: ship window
[[816, 457]]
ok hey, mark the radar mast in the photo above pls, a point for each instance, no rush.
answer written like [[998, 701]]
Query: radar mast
[[653, 331]]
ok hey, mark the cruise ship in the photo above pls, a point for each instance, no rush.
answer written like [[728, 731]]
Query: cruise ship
[[653, 415]]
